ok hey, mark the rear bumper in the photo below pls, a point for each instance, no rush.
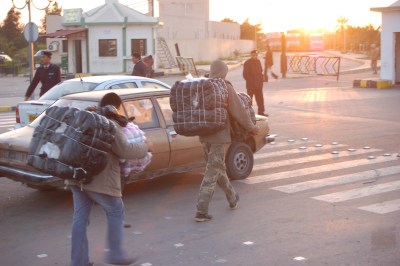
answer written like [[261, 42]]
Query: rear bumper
[[28, 177]]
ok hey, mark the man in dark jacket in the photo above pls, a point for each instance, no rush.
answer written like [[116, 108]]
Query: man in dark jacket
[[140, 68], [48, 74], [253, 74], [214, 150]]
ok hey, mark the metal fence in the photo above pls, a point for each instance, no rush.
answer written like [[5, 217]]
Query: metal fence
[[312, 64]]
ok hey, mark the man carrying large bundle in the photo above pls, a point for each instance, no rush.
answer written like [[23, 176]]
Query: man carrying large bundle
[[214, 149]]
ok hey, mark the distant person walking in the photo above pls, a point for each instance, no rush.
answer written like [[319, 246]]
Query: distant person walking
[[48, 74], [253, 74], [149, 61], [374, 58], [269, 62], [140, 68], [214, 150]]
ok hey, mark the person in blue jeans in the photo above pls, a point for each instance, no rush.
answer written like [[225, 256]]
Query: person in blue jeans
[[105, 190]]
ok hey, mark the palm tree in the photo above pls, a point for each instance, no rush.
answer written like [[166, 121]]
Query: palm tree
[[342, 21]]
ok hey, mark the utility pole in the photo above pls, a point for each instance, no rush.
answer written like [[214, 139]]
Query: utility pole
[[31, 29]]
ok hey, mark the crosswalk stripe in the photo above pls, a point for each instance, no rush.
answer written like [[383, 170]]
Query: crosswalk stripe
[[11, 119], [338, 180], [383, 207], [308, 159], [274, 154], [359, 192], [286, 144], [314, 170]]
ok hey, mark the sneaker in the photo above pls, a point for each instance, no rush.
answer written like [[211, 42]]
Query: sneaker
[[125, 261], [263, 114], [202, 217], [235, 204]]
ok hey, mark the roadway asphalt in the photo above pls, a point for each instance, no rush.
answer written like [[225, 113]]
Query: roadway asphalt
[[12, 89]]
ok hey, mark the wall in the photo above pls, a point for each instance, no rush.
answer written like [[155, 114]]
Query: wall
[[209, 49], [115, 64], [390, 24], [53, 23]]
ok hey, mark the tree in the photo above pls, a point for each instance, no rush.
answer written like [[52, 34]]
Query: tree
[[12, 28], [53, 10], [252, 32], [342, 21], [228, 20]]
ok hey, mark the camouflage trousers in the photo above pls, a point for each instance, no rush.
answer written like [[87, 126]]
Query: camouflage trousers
[[215, 174]]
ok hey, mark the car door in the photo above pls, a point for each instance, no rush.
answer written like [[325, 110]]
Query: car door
[[146, 117], [185, 151]]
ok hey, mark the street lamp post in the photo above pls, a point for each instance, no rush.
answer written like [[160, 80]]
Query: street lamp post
[[31, 29]]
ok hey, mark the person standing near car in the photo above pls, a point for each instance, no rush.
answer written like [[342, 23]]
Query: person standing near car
[[47, 73], [140, 68], [105, 190], [214, 150], [253, 74]]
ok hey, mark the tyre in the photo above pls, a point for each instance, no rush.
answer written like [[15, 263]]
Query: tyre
[[239, 161]]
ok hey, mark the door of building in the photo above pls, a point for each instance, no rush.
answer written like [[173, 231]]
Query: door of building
[[78, 56]]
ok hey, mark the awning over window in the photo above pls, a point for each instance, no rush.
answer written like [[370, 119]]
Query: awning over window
[[63, 33]]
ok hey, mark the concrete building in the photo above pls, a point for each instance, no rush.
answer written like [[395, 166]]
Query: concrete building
[[390, 42], [187, 23], [102, 40]]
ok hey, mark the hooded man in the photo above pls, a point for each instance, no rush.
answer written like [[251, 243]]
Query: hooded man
[[214, 150]]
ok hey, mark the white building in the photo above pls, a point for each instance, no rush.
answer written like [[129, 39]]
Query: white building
[[187, 23], [103, 39], [390, 42]]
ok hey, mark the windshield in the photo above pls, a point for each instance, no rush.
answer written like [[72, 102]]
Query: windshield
[[67, 87], [66, 102]]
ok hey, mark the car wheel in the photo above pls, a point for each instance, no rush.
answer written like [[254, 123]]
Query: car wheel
[[41, 187], [239, 161]]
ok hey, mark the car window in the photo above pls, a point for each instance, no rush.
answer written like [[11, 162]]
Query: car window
[[163, 102], [144, 113], [66, 102], [124, 85], [153, 85], [68, 87]]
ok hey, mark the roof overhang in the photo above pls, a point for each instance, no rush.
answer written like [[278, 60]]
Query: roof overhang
[[63, 33]]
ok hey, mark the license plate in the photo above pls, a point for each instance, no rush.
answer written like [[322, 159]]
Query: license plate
[[14, 155], [32, 117]]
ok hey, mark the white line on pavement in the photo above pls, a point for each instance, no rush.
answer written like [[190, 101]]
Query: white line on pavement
[[338, 180], [359, 192], [383, 207], [315, 170]]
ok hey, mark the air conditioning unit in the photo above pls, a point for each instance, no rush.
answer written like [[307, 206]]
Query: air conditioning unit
[[53, 46]]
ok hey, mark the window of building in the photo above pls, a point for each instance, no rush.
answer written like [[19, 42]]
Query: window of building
[[108, 47], [139, 46], [65, 46]]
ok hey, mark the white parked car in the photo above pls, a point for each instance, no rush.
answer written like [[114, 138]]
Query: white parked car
[[27, 111]]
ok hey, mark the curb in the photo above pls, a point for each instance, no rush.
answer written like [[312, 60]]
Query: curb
[[4, 109], [375, 84]]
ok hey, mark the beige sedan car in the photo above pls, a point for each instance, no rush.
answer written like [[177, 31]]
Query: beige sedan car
[[172, 153]]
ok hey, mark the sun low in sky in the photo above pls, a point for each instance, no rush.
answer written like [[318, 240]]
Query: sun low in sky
[[276, 15]]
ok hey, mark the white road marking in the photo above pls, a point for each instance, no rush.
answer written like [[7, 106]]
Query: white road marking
[[359, 192], [314, 170], [338, 180], [383, 207], [274, 154], [308, 159]]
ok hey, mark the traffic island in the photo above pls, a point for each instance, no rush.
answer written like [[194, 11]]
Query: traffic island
[[372, 83]]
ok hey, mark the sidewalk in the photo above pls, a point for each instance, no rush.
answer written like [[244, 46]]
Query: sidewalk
[[351, 63]]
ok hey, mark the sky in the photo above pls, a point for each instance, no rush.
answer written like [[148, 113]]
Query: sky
[[274, 16]]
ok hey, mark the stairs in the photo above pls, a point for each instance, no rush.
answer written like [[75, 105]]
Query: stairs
[[166, 60]]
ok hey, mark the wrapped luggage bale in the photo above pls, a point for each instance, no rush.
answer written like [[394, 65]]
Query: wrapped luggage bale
[[199, 106], [71, 144]]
